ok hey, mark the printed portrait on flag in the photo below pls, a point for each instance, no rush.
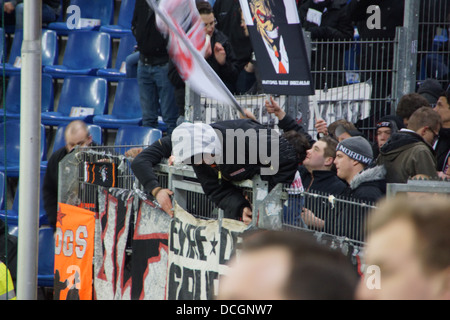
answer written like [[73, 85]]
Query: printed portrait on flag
[[277, 40]]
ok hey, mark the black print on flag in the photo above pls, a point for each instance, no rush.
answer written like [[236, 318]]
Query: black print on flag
[[279, 47], [112, 263], [198, 253], [150, 253]]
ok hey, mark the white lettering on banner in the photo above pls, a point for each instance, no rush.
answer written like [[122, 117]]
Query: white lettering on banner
[[198, 254], [65, 242]]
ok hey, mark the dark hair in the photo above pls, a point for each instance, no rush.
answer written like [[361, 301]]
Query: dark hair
[[409, 103], [203, 7], [349, 126], [330, 149], [317, 271], [299, 141]]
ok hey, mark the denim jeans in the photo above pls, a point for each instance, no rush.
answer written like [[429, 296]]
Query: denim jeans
[[131, 64], [156, 96]]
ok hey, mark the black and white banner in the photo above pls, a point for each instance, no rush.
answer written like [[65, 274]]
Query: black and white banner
[[278, 43], [199, 251]]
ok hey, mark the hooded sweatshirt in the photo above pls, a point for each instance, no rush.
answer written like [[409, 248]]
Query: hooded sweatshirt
[[349, 219], [405, 155]]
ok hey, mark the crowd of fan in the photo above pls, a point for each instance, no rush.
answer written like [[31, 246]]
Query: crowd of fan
[[414, 142]]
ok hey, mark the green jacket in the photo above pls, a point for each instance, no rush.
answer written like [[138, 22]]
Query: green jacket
[[405, 155]]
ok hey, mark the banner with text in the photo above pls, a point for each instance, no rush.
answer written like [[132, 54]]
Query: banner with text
[[74, 247], [277, 39], [111, 261], [150, 253], [198, 253]]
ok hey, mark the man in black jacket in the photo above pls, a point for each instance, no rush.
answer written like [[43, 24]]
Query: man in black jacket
[[221, 153], [442, 145], [220, 57], [155, 90], [318, 172], [75, 134], [327, 20]]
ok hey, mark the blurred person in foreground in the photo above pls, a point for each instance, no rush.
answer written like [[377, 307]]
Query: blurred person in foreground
[[283, 265], [408, 250]]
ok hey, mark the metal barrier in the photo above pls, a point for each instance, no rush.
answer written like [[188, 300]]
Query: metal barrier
[[279, 208], [356, 85], [417, 188], [359, 80]]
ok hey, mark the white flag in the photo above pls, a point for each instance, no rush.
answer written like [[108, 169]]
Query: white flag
[[180, 22]]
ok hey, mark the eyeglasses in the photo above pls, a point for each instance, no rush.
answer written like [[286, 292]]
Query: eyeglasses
[[211, 24], [435, 135]]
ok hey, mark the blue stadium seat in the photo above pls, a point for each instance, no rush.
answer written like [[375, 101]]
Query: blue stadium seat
[[86, 52], [123, 25], [133, 136], [11, 216], [79, 91], [102, 10], [126, 110], [3, 50], [126, 47], [12, 97], [59, 142], [2, 191], [12, 147], [49, 43], [46, 257]]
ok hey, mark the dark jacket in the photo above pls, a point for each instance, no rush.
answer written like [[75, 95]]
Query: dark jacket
[[323, 181], [229, 72], [391, 16], [349, 219], [50, 185], [443, 149], [335, 25], [219, 187], [405, 155], [288, 123], [228, 16], [150, 41], [369, 185]]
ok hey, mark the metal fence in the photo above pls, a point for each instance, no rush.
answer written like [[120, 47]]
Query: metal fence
[[279, 208], [359, 80]]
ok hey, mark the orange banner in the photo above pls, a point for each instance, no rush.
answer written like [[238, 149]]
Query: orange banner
[[74, 251]]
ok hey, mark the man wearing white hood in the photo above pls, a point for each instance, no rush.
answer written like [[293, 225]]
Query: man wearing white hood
[[222, 152]]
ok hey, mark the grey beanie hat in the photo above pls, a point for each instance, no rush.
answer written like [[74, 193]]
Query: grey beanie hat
[[357, 148]]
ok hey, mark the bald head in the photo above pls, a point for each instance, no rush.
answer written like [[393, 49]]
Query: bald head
[[77, 134]]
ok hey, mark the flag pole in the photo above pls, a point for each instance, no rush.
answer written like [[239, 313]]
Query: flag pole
[[163, 16]]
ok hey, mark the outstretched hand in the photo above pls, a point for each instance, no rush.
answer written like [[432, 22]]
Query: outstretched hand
[[274, 107]]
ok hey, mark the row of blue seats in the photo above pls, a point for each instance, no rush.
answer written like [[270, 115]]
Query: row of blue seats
[[89, 9], [86, 53], [101, 11], [10, 150], [88, 92]]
